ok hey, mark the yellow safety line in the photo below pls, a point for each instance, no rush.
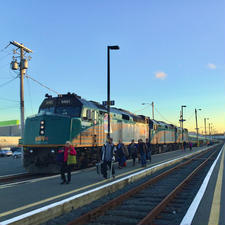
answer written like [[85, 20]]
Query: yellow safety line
[[215, 208], [70, 192]]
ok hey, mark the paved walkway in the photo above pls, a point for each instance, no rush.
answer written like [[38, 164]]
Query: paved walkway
[[22, 197]]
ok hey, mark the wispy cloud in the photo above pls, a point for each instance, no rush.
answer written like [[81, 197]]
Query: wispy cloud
[[211, 66], [160, 75]]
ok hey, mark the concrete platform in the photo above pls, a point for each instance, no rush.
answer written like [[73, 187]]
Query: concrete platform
[[22, 197], [208, 207]]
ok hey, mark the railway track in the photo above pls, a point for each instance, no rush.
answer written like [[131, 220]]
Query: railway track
[[163, 199]]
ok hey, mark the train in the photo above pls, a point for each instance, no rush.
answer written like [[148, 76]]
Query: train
[[68, 117]]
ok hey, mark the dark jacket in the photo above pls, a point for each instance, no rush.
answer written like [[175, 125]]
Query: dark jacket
[[120, 150], [141, 148], [133, 150]]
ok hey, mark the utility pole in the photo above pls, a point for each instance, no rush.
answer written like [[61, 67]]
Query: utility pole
[[153, 110], [209, 131], [152, 104], [196, 119], [23, 66], [182, 121]]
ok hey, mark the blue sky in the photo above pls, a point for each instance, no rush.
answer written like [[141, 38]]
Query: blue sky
[[171, 52]]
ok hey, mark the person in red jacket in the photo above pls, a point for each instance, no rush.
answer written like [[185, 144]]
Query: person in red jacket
[[68, 149]]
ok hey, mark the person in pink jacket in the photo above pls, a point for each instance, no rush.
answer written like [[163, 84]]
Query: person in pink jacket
[[65, 168]]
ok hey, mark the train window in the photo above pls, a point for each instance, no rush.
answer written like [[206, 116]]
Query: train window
[[94, 115], [88, 114], [68, 110], [47, 110], [125, 117]]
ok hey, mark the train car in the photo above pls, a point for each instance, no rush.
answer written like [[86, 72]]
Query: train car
[[85, 123], [200, 141]]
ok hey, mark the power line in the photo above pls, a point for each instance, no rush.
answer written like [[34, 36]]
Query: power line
[[3, 49], [42, 84], [164, 117], [28, 84], [6, 99], [1, 85], [142, 109], [6, 55]]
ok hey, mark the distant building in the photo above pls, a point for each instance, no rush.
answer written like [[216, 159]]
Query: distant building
[[10, 128]]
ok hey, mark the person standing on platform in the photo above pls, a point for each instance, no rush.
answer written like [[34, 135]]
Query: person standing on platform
[[107, 158], [69, 160], [148, 150], [190, 145], [133, 151], [142, 152], [184, 145], [120, 152]]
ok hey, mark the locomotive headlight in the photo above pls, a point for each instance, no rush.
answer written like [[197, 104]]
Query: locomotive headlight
[[31, 151], [42, 127], [52, 151]]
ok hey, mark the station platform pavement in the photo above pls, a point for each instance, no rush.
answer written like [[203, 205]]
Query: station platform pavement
[[21, 197], [211, 210]]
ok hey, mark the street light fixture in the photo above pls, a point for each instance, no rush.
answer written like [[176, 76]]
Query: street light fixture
[[113, 47], [152, 104]]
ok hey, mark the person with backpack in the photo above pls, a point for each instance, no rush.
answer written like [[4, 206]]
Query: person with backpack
[[133, 151], [68, 157], [107, 158]]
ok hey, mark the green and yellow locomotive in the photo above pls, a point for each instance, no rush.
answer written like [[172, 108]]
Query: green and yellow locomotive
[[70, 118]]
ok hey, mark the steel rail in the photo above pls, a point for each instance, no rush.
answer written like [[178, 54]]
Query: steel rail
[[159, 208], [93, 214]]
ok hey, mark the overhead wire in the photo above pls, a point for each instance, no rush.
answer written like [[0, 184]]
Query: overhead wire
[[9, 100], [38, 82], [163, 116], [7, 82], [29, 92], [3, 49], [142, 109]]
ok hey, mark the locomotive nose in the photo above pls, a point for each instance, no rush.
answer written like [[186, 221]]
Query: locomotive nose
[[47, 129]]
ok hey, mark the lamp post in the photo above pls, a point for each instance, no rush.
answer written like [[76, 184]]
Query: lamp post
[[182, 121], [196, 118], [152, 104], [205, 125], [113, 47]]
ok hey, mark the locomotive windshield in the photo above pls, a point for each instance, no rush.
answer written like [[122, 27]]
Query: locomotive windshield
[[47, 110], [67, 105], [68, 110]]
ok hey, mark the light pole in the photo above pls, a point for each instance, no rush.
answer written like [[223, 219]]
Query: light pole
[[152, 104], [196, 118], [113, 47], [182, 121], [205, 125]]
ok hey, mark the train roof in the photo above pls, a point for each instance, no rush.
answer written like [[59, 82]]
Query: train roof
[[99, 106]]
